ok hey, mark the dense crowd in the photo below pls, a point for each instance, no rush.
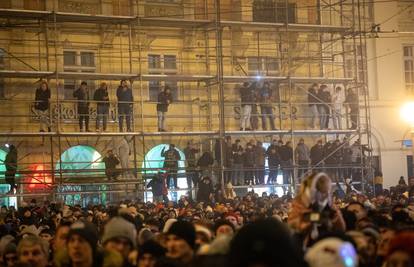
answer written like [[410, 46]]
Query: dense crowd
[[315, 228]]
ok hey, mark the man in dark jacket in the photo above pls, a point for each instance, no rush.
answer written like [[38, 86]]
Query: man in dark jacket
[[316, 156], [42, 106], [286, 157], [164, 100], [111, 161], [324, 98], [102, 106], [158, 188], [247, 98], [352, 103], [191, 169], [82, 96], [205, 190], [204, 163], [273, 160], [237, 174], [265, 98], [248, 165], [125, 105], [259, 162], [312, 101], [172, 156], [10, 162]]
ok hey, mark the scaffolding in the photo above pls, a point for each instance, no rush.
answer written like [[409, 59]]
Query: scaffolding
[[204, 50]]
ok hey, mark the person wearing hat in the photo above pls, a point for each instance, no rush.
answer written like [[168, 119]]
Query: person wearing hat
[[172, 156], [10, 255], [180, 242], [34, 251], [82, 97], [82, 243], [120, 236], [332, 252], [149, 253]]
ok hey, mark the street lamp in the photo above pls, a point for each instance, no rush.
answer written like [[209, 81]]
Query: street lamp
[[407, 114]]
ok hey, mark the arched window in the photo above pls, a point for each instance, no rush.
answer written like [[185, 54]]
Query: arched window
[[153, 162], [81, 162]]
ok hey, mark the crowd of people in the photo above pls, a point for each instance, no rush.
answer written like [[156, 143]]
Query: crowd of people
[[316, 228], [323, 106], [246, 164]]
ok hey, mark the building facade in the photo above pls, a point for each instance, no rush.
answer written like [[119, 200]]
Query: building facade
[[204, 50]]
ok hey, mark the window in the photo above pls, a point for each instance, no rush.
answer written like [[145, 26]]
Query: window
[[162, 64], [87, 59], [121, 7], [273, 11], [69, 58], [170, 62], [263, 66], [358, 69], [409, 68], [154, 62], [78, 61]]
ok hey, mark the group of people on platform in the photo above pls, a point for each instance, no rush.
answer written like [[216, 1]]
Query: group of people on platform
[[318, 227], [82, 96], [323, 106]]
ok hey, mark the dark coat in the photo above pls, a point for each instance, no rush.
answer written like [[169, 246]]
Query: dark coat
[[42, 98], [82, 97], [157, 185], [172, 156], [286, 153], [316, 154], [204, 190], [124, 96], [164, 100], [101, 95]]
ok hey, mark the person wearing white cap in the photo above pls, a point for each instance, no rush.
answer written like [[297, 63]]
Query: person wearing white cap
[[332, 252]]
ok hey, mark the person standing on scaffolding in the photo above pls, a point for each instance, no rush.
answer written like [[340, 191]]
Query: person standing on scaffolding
[[171, 158], [42, 104], [247, 98], [164, 100], [125, 105], [102, 106], [82, 96], [111, 161], [191, 169], [10, 162]]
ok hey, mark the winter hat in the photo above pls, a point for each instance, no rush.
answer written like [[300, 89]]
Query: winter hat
[[10, 248], [204, 230], [119, 227], [153, 248], [29, 230], [86, 230], [403, 241], [266, 242], [184, 230], [223, 222], [4, 241], [144, 235], [168, 224], [332, 252]]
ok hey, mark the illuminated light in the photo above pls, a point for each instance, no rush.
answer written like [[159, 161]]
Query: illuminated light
[[39, 179], [7, 201], [407, 113], [7, 145], [258, 77]]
